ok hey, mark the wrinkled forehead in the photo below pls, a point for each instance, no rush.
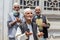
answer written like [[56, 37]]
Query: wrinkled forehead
[[28, 10]]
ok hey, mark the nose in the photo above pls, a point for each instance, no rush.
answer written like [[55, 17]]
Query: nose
[[31, 15]]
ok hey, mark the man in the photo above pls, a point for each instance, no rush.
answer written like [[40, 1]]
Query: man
[[41, 21], [14, 19], [29, 29]]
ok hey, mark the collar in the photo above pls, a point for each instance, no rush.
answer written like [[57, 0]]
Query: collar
[[39, 15]]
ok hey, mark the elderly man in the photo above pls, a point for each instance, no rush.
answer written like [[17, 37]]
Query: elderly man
[[41, 21], [14, 19], [29, 29]]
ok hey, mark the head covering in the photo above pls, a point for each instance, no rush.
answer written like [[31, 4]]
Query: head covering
[[16, 4]]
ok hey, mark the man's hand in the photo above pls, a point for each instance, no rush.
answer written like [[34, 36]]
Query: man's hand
[[13, 22], [18, 20], [40, 34], [28, 33], [43, 24]]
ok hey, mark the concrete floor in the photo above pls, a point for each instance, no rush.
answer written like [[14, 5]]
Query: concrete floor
[[54, 39]]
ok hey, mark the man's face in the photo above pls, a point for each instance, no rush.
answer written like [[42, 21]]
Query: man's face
[[16, 8], [28, 15], [37, 11]]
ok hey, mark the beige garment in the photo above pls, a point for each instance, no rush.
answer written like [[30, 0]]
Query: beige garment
[[39, 23]]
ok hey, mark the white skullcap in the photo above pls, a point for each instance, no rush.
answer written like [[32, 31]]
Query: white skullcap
[[27, 9], [16, 4]]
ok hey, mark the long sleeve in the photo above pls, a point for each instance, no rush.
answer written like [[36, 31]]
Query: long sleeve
[[9, 20], [19, 35], [48, 24], [18, 32]]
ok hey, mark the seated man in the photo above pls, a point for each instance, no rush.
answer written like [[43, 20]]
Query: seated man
[[28, 30]]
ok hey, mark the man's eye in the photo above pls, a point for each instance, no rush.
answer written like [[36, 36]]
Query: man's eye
[[27, 13], [31, 13]]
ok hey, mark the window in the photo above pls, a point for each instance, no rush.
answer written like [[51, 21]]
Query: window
[[52, 5], [29, 3]]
